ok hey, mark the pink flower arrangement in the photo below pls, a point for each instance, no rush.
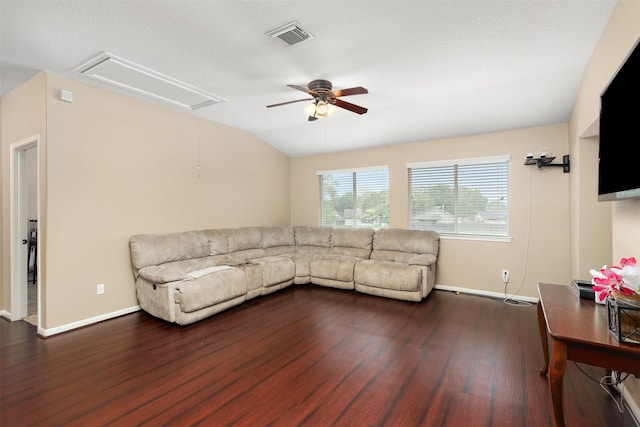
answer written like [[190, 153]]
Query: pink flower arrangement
[[623, 279]]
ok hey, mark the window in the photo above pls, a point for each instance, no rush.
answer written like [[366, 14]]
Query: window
[[355, 198], [460, 197]]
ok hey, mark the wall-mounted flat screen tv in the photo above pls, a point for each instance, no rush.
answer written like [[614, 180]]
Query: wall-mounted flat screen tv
[[619, 156]]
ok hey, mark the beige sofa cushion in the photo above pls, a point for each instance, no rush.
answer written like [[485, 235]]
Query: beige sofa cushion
[[243, 257], [276, 236], [276, 270], [156, 249], [181, 270], [361, 238], [316, 240], [277, 240], [389, 275], [245, 244], [164, 273], [387, 243], [313, 236], [243, 238], [217, 242], [302, 261], [210, 289], [196, 274], [353, 242], [332, 267]]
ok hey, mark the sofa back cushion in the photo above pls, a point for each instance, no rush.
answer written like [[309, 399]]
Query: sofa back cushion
[[313, 236], [245, 244], [276, 236], [156, 249], [312, 239], [277, 240], [217, 241], [243, 238], [356, 242], [408, 246]]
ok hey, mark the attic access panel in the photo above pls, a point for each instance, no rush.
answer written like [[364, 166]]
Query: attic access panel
[[128, 75]]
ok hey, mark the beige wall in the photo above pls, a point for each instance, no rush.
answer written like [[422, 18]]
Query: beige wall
[[23, 116], [2, 177], [538, 206], [606, 231], [117, 166]]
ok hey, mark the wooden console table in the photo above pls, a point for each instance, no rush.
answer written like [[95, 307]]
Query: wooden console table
[[579, 331]]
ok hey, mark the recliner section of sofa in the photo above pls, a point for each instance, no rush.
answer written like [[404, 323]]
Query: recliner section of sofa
[[400, 265], [336, 268], [188, 276]]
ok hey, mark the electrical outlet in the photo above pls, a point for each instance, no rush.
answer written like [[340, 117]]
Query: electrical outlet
[[100, 289], [505, 276]]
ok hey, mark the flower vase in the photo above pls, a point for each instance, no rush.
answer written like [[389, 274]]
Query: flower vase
[[632, 300], [624, 317]]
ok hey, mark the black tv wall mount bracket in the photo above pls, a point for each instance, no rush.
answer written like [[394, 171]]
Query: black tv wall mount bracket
[[544, 162]]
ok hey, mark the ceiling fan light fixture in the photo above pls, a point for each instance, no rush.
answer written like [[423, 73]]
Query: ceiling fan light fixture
[[325, 100], [310, 110], [320, 109]]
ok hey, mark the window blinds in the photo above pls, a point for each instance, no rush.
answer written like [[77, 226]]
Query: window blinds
[[354, 198], [460, 198]]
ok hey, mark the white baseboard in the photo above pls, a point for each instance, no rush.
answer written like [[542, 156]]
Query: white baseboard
[[5, 314], [497, 295], [86, 322]]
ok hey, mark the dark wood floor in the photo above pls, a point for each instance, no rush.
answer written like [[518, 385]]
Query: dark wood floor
[[307, 356]]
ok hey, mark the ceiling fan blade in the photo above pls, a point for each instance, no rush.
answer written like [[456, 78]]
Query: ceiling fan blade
[[301, 88], [351, 91], [312, 118], [289, 102], [349, 106]]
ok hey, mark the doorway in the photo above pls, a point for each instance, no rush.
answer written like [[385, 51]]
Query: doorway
[[25, 230]]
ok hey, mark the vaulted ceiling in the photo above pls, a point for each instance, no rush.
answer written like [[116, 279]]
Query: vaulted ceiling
[[433, 69]]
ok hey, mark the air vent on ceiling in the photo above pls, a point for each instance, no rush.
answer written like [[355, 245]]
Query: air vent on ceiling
[[125, 74], [291, 33]]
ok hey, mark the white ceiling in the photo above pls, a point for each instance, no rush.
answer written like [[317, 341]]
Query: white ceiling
[[433, 69]]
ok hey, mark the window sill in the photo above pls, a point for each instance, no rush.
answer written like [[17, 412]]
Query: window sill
[[505, 239]]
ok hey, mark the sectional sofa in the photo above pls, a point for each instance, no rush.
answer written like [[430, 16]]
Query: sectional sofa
[[188, 276]]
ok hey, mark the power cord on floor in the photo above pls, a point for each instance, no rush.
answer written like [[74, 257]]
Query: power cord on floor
[[606, 382], [605, 386], [509, 299]]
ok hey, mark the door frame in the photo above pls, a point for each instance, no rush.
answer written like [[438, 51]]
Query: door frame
[[19, 229]]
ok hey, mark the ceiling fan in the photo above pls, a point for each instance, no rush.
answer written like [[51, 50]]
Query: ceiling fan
[[325, 100]]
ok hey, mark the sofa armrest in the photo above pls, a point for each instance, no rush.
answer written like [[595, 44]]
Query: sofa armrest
[[162, 273], [203, 272], [422, 259]]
